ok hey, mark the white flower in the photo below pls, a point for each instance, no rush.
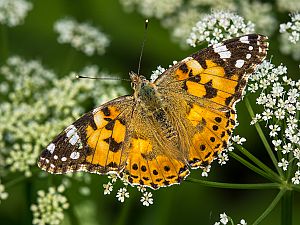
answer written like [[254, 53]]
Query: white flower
[[222, 158], [242, 222], [237, 139], [13, 12], [49, 208], [122, 194], [113, 177], [141, 188], [296, 153], [81, 36], [3, 193], [296, 178], [218, 26], [287, 148], [152, 8], [205, 171], [293, 28], [107, 188], [156, 73], [289, 6], [224, 218], [274, 129], [260, 13], [284, 164], [276, 143], [147, 199]]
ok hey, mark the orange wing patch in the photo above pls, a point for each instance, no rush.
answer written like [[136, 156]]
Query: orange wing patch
[[210, 81], [145, 167], [213, 132], [106, 138]]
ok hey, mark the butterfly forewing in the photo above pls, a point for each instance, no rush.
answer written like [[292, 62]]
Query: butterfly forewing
[[94, 143]]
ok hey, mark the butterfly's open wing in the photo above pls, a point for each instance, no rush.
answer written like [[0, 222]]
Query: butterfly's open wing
[[207, 85], [116, 137], [94, 143]]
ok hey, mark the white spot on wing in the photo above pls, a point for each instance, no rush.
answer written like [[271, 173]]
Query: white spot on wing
[[70, 130], [220, 48], [222, 51], [73, 140], [244, 39], [74, 155], [250, 48], [51, 148], [239, 63], [55, 157], [52, 165], [71, 133], [225, 55], [64, 159], [248, 56]]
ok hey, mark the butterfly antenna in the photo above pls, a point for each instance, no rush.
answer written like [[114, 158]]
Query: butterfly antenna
[[143, 44], [100, 78]]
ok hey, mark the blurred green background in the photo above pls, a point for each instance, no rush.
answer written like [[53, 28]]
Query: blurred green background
[[188, 203]]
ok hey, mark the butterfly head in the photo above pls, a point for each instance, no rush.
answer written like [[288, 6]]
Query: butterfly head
[[138, 83]]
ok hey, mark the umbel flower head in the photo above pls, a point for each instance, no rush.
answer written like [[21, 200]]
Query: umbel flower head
[[13, 12], [82, 36], [280, 98], [37, 105], [217, 26], [290, 35], [50, 206]]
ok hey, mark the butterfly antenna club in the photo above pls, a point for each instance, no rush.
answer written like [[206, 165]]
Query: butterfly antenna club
[[143, 44]]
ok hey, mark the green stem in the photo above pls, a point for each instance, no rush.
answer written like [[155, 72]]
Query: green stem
[[257, 161], [270, 207], [263, 138], [287, 208], [234, 186], [253, 168], [123, 215], [296, 187]]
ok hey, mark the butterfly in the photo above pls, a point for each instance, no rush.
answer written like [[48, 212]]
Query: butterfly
[[181, 121]]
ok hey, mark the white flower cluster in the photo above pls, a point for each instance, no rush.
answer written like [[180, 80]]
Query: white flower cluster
[[292, 28], [82, 36], [261, 14], [123, 193], [13, 12], [279, 96], [289, 38], [225, 219], [218, 26], [50, 206], [159, 70], [289, 6], [3, 193], [36, 105], [180, 23], [153, 8]]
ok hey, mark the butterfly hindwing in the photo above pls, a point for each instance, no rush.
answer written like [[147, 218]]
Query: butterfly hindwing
[[94, 143]]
